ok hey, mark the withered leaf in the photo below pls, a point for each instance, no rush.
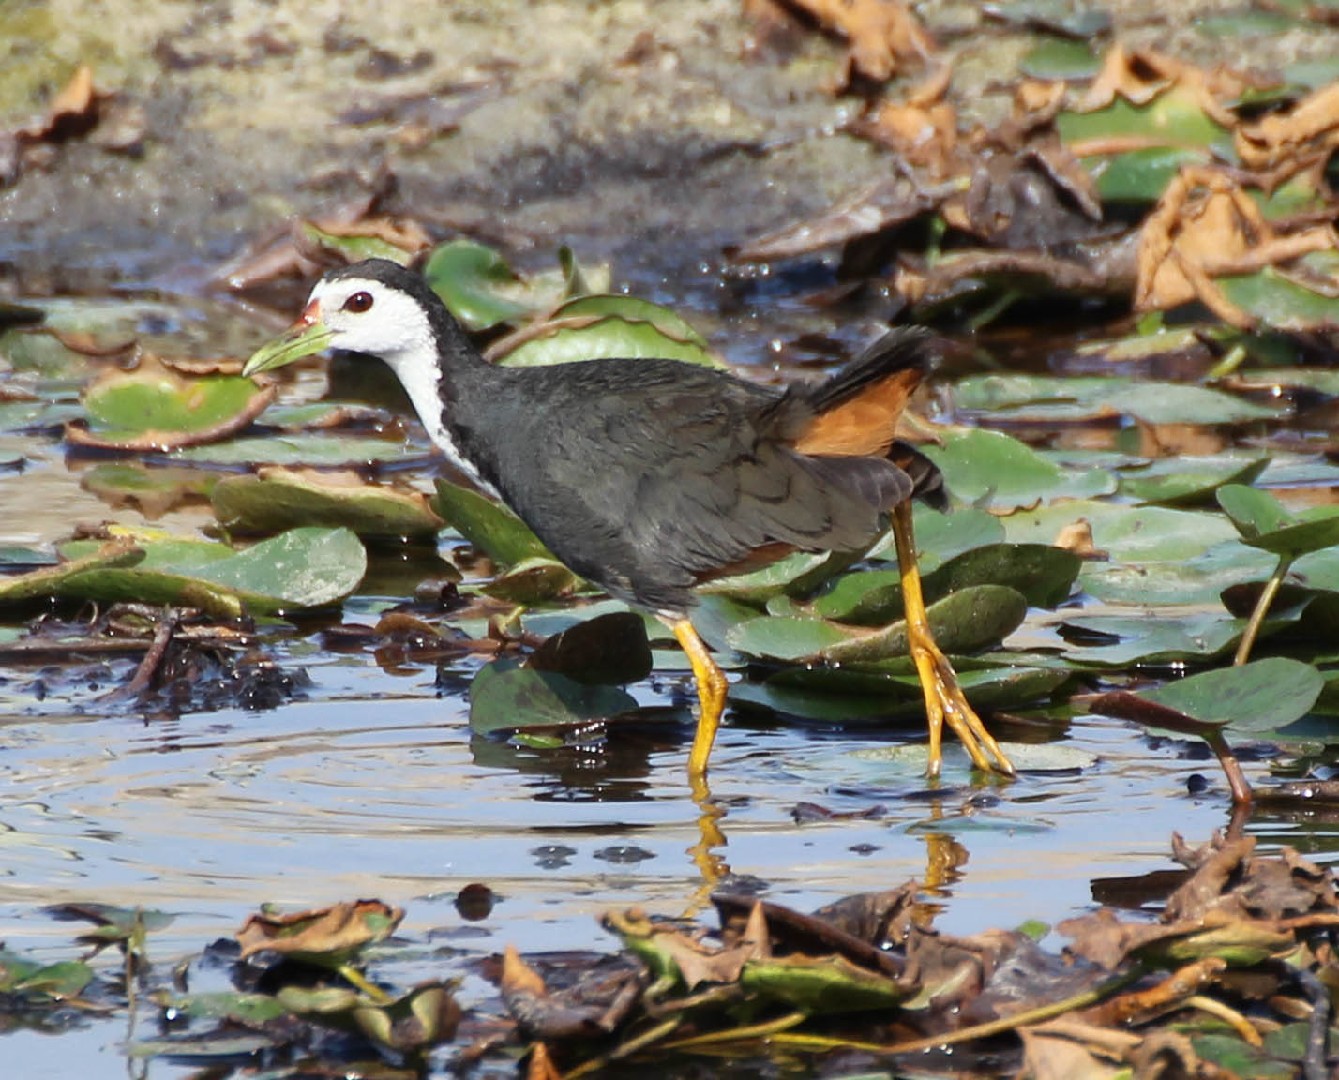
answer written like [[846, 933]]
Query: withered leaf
[[322, 935]]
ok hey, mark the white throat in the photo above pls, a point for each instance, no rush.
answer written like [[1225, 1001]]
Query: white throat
[[419, 372]]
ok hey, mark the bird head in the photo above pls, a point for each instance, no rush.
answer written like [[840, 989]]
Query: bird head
[[375, 308]]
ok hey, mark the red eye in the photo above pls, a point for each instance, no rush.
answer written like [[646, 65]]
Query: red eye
[[358, 303]]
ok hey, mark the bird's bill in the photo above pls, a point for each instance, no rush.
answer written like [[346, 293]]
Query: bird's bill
[[306, 336]]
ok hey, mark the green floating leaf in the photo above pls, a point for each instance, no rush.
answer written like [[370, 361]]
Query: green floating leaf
[[1043, 574], [354, 247], [533, 581], [1188, 480], [507, 697], [610, 648], [311, 450], [942, 536], [1045, 398], [991, 470], [477, 285], [28, 979], [822, 984], [1127, 533], [154, 490], [970, 619], [231, 1005], [1284, 301], [793, 575], [489, 526], [1142, 639], [1026, 757], [610, 326], [153, 407], [1199, 579], [482, 291], [1264, 695], [1141, 176], [278, 499], [1264, 523], [845, 696], [1173, 118], [302, 568], [1060, 60], [55, 580], [1236, 1057]]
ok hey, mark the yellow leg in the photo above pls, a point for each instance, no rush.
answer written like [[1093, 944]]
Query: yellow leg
[[711, 691], [944, 700]]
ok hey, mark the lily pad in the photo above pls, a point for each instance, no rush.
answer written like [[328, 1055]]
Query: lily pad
[[1283, 300], [993, 471], [302, 568], [1141, 175], [969, 619], [592, 327], [1043, 574], [942, 536], [154, 490], [308, 450], [794, 575], [1261, 696], [1127, 533], [489, 526], [532, 581], [353, 246], [1199, 579], [482, 290], [610, 648], [1146, 639], [1187, 480], [1040, 398], [506, 696], [1265, 524], [278, 499], [1173, 118], [155, 408]]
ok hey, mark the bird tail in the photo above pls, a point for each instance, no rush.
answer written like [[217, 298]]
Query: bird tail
[[855, 413]]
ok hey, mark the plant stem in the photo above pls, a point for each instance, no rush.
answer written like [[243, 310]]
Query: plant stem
[[1271, 590]]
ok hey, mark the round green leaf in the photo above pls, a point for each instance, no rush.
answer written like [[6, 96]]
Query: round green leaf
[[1263, 695], [507, 697], [990, 469], [489, 526]]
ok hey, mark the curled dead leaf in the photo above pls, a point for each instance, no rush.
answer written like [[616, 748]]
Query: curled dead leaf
[[321, 935], [882, 34]]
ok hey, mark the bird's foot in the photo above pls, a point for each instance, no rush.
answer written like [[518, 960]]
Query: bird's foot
[[946, 703]]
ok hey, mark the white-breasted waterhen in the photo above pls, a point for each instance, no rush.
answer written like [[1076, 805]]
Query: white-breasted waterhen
[[650, 476]]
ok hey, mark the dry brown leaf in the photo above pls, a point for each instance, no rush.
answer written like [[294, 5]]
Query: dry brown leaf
[[541, 1066], [1077, 537], [1059, 1056], [1141, 75], [1206, 226], [321, 932], [923, 130], [1293, 140], [882, 34], [518, 977]]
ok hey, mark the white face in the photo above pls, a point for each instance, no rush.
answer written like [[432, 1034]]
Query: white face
[[367, 316]]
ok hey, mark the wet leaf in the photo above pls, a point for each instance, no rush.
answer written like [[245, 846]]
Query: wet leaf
[[1127, 533], [1142, 175], [1043, 574], [943, 536], [30, 979], [595, 327], [327, 936], [1145, 640], [296, 451], [822, 984], [489, 526], [1264, 695], [505, 696], [278, 498], [1187, 480], [911, 758], [1285, 300], [361, 240], [991, 470], [482, 291], [154, 408], [54, 580], [533, 581], [1039, 398], [609, 648], [794, 574], [302, 568], [232, 1005], [1056, 58], [970, 619], [1265, 524]]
